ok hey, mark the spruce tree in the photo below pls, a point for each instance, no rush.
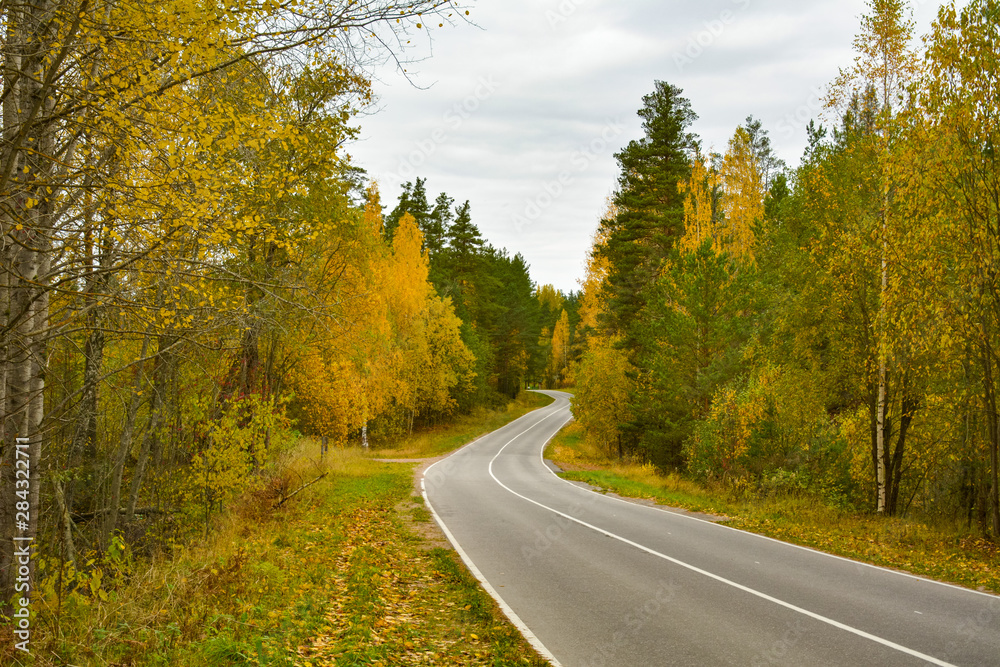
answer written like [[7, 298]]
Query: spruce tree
[[649, 216]]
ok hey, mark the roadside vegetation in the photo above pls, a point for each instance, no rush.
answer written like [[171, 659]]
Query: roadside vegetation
[[340, 573], [195, 270], [940, 550], [817, 344], [462, 429]]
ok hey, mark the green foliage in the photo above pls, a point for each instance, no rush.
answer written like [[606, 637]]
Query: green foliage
[[790, 505], [731, 443], [237, 445], [604, 387], [329, 575], [492, 293], [648, 217], [827, 330], [768, 433], [702, 316]]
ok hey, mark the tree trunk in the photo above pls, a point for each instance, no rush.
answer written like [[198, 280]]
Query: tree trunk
[[65, 524], [118, 462], [140, 465], [873, 429], [24, 407], [26, 166], [24, 393], [894, 468], [880, 478], [993, 426], [995, 481], [880, 471], [85, 434]]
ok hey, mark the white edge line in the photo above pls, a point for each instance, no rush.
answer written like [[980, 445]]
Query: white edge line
[[706, 573], [529, 636], [880, 568]]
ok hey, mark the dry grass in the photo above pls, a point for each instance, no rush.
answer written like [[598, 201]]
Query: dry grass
[[335, 576], [941, 553], [463, 429]]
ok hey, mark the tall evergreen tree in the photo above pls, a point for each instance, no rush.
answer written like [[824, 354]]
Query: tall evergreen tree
[[412, 200], [641, 232], [462, 261], [649, 216], [464, 239], [436, 225]]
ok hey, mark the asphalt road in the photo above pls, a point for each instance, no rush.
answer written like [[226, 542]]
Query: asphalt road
[[596, 581]]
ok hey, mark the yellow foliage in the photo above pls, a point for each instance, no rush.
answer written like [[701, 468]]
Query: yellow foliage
[[699, 212], [597, 268], [720, 448], [406, 273], [400, 345], [549, 297], [856, 428], [237, 445], [740, 182], [744, 190], [603, 386], [559, 360]]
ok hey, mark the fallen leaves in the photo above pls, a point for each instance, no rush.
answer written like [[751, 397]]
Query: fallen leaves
[[389, 602]]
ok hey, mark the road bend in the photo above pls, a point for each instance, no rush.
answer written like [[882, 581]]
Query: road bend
[[593, 580]]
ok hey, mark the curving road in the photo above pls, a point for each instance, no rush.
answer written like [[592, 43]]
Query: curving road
[[596, 581]]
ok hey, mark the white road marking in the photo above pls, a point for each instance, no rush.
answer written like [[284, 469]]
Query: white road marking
[[706, 573], [885, 570], [504, 607]]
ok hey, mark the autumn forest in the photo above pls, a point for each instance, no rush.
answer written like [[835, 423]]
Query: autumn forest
[[194, 276], [830, 328], [194, 273]]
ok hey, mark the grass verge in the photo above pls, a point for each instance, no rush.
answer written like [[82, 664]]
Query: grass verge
[[338, 575], [442, 439], [894, 542]]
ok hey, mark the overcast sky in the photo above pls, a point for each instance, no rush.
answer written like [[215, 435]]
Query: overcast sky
[[522, 115]]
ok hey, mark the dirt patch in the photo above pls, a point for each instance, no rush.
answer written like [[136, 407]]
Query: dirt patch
[[414, 512], [428, 531]]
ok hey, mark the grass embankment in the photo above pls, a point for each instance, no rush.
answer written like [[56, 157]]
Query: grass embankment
[[440, 440], [905, 544], [336, 576]]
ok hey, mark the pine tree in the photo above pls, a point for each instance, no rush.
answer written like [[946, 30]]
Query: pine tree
[[436, 226], [412, 200], [649, 209], [464, 239], [463, 261]]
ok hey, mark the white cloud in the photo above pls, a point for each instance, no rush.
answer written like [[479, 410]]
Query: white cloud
[[558, 73]]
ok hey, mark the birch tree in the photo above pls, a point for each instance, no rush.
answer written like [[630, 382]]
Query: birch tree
[[101, 109], [956, 140], [884, 66]]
